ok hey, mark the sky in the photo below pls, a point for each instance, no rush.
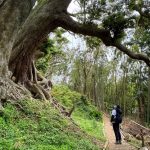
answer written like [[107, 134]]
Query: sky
[[74, 39], [73, 7]]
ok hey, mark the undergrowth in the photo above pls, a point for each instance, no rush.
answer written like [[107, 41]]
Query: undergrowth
[[37, 126], [85, 115]]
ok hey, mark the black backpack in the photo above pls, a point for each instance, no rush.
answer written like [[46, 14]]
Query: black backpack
[[118, 116]]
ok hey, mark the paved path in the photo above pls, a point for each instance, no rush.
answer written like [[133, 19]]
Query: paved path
[[111, 138]]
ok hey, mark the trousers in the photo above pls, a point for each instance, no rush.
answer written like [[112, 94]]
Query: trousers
[[116, 129]]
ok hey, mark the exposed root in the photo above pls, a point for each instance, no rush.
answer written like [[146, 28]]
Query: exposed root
[[37, 84], [12, 91], [71, 111], [46, 94], [35, 90], [61, 108], [38, 91]]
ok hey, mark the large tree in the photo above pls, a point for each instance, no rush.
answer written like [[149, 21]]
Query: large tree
[[23, 28]]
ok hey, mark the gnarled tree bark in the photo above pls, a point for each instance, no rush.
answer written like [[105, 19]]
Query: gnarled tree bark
[[13, 15]]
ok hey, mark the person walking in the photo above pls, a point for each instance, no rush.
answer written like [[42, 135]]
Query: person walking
[[116, 120]]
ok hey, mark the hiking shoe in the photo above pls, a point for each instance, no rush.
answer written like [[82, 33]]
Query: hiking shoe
[[117, 142]]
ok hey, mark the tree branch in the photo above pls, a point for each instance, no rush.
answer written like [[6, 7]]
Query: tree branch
[[66, 22], [91, 30], [133, 55]]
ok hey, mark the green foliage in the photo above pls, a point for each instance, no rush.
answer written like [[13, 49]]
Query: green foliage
[[90, 120], [36, 125], [92, 42], [90, 125], [85, 115], [52, 48], [67, 97], [90, 111], [116, 23]]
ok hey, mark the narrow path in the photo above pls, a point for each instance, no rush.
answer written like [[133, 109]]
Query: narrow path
[[111, 137]]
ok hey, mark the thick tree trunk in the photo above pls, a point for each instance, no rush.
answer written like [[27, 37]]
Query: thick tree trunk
[[13, 14], [42, 20]]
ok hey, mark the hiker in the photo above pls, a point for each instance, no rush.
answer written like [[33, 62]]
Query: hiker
[[116, 119]]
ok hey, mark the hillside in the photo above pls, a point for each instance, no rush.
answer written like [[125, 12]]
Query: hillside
[[36, 125]]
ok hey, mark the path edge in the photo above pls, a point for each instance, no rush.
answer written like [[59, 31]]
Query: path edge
[[106, 145], [107, 142]]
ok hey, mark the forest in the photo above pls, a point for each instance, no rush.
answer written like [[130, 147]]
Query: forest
[[64, 64]]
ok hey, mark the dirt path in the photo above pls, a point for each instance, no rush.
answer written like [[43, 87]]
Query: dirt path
[[111, 137]]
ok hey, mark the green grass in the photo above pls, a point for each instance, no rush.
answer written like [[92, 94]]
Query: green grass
[[91, 126], [85, 115], [35, 125]]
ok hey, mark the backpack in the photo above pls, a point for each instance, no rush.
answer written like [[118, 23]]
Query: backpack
[[118, 116]]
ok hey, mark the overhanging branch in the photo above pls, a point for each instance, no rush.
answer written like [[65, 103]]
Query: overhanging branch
[[68, 23], [133, 55]]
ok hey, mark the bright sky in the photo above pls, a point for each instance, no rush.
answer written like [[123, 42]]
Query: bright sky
[[73, 7], [75, 41]]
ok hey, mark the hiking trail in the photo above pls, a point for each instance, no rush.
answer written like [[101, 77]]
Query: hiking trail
[[111, 137]]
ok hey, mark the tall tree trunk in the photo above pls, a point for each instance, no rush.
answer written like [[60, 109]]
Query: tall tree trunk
[[141, 100], [84, 80], [141, 104], [13, 14], [94, 90], [124, 92], [148, 99]]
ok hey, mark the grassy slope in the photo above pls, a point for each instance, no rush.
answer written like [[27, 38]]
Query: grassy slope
[[35, 125], [91, 126], [85, 115]]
